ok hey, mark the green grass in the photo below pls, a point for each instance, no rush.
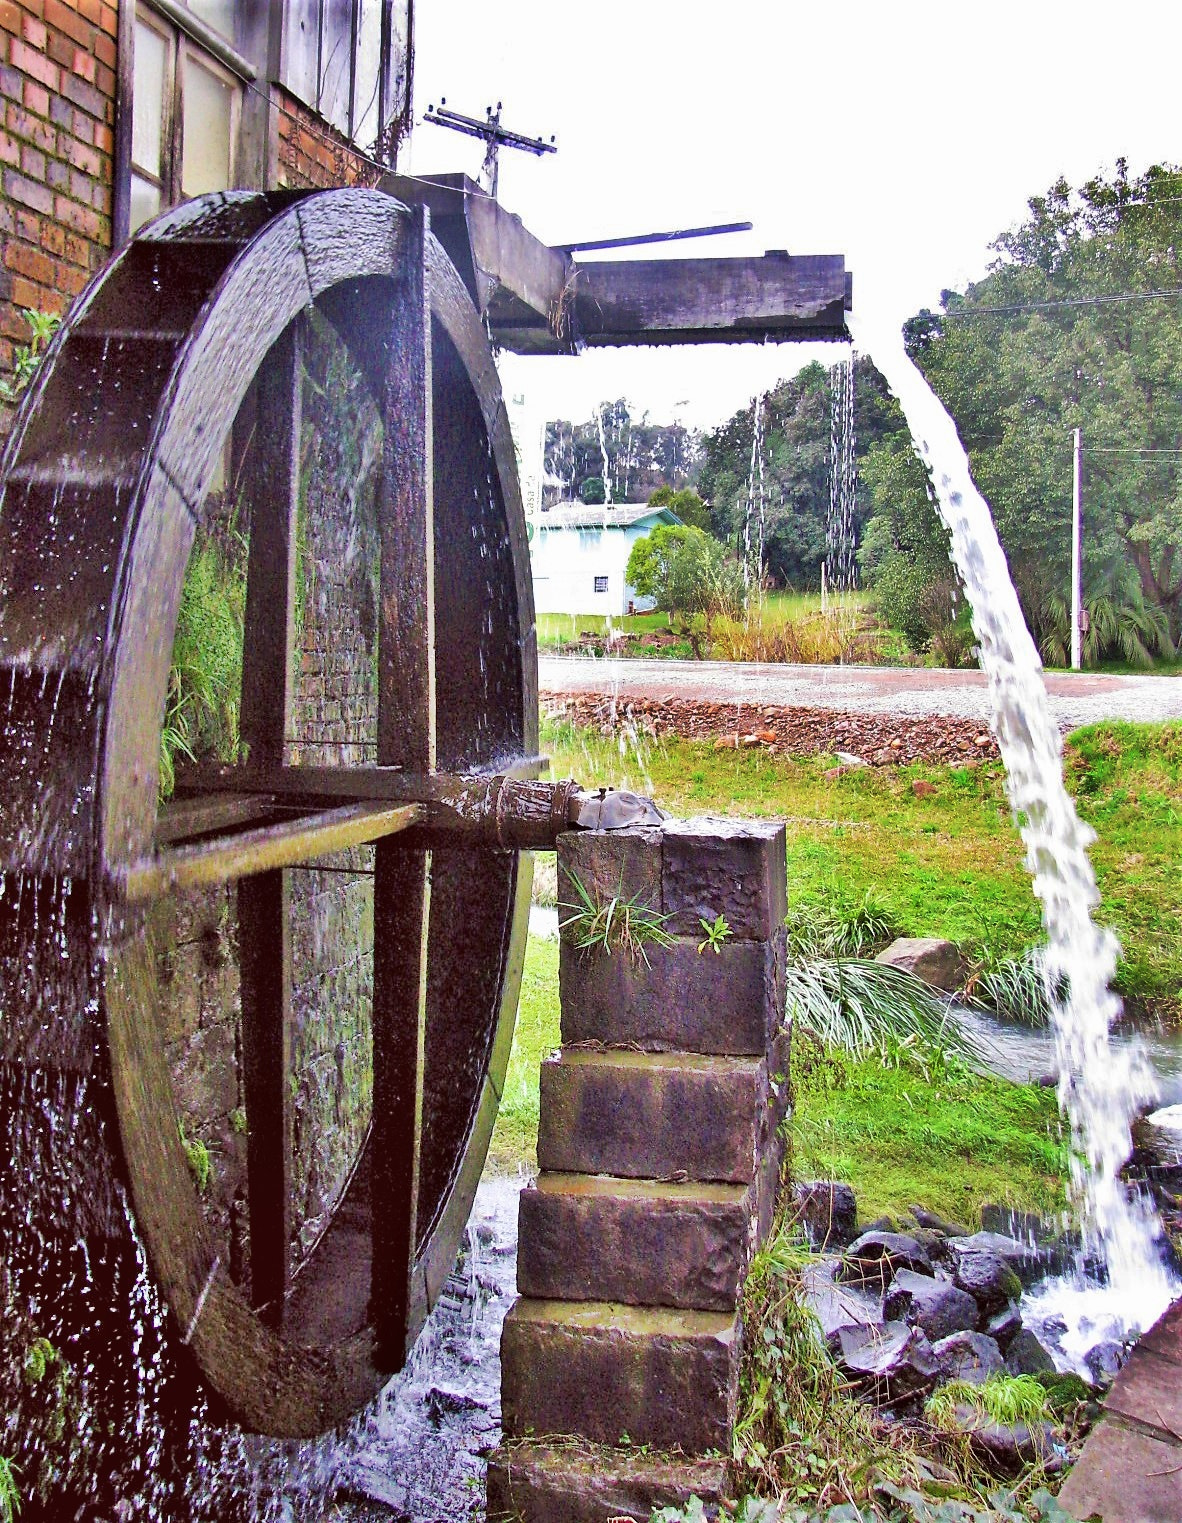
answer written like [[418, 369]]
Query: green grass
[[564, 628], [903, 1133], [950, 864], [515, 1138]]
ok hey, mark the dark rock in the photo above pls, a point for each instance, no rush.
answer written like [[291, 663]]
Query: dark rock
[[985, 1276], [1026, 1226], [936, 1306], [968, 1356], [876, 1257], [1105, 1360], [938, 963], [891, 1362], [935, 1223], [882, 1224], [1029, 1261], [1004, 1325], [828, 1211], [1007, 1449], [1027, 1356], [837, 1306]]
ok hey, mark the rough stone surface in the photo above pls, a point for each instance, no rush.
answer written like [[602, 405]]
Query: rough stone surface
[[935, 1223], [653, 1115], [837, 1306], [724, 867], [937, 1307], [1125, 1476], [1130, 1470], [891, 1362], [937, 962], [603, 1371], [876, 1257], [985, 1276], [610, 864], [1004, 1326], [537, 1483], [586, 1238], [968, 1356], [1029, 1261], [1025, 1355], [680, 999], [828, 1212], [1005, 1448]]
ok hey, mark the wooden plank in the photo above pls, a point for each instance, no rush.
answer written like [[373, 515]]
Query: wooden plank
[[265, 849], [264, 921], [185, 819], [406, 738], [686, 301]]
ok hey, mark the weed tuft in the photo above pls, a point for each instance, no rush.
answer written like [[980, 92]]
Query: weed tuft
[[613, 925]]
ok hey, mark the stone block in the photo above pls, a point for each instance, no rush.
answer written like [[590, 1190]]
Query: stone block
[[1124, 1476], [733, 868], [537, 1483], [610, 864], [680, 999], [644, 1242], [651, 1115], [607, 1372]]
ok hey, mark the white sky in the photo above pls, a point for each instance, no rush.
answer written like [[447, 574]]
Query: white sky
[[904, 135]]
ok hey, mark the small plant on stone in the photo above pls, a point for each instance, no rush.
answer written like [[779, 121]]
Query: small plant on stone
[[200, 1163], [613, 925], [717, 932], [1003, 1399]]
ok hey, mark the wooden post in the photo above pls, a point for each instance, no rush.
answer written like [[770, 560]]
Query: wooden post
[[406, 738], [263, 901]]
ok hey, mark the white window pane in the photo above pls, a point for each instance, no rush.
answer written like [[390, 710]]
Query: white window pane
[[145, 202], [365, 79], [208, 106], [218, 14], [147, 113]]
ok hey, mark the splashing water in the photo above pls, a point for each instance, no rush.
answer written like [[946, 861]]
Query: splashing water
[[756, 502], [1101, 1087], [839, 572]]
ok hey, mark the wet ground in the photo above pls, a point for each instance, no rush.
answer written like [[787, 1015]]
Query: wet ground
[[1077, 698], [419, 1455]]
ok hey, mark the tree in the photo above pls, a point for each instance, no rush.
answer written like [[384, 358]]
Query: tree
[[1059, 335], [592, 491], [686, 503], [688, 573]]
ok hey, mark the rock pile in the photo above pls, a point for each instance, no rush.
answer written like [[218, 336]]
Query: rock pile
[[905, 1311], [880, 740]]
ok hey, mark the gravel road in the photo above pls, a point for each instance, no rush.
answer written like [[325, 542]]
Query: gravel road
[[1077, 698]]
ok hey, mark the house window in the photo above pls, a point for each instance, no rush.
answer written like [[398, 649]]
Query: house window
[[601, 584], [185, 108]]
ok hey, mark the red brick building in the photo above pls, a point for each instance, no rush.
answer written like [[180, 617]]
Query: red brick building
[[111, 110]]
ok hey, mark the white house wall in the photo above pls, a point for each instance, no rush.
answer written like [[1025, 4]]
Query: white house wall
[[567, 561]]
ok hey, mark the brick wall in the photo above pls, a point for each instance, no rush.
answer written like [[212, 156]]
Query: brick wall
[[313, 155], [57, 95]]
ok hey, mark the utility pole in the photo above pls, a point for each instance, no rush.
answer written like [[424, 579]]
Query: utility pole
[[493, 135], [1076, 560]]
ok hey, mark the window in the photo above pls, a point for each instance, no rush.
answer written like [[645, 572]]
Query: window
[[349, 61], [601, 584], [185, 108]]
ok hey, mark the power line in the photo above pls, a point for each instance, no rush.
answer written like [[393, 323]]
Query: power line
[[1067, 301]]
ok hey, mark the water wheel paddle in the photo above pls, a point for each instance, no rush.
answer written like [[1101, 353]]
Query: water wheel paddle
[[105, 479]]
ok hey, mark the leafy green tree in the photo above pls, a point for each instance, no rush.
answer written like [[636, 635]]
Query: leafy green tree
[[1062, 334], [689, 574], [685, 502], [593, 491]]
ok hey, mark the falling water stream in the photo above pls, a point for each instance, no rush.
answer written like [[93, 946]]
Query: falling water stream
[[1102, 1086]]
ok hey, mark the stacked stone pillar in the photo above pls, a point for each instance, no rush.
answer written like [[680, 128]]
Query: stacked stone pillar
[[660, 1146]]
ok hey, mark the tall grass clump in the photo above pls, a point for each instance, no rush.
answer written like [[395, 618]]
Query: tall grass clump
[[205, 679]]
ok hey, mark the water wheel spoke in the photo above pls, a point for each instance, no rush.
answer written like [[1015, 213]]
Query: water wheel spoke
[[407, 739]]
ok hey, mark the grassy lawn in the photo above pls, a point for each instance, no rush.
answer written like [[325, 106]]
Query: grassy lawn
[[948, 864]]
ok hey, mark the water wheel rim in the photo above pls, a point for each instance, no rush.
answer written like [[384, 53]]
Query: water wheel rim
[[264, 1381]]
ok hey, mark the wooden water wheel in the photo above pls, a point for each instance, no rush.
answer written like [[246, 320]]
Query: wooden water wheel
[[105, 480]]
